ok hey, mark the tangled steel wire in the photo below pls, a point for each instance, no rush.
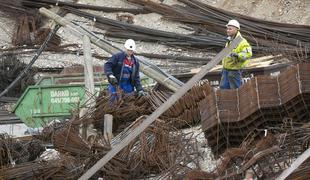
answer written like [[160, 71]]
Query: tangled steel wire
[[268, 156], [161, 149]]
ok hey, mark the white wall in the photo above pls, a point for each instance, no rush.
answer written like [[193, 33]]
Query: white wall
[[14, 129]]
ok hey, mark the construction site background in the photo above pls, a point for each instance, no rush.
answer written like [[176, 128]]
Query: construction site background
[[220, 148]]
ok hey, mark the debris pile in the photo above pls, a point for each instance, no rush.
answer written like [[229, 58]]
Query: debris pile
[[270, 155], [260, 127], [266, 157], [13, 151], [184, 113], [161, 149], [28, 30], [63, 168]]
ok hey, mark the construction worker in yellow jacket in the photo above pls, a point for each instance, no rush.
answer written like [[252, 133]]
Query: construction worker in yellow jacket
[[236, 60]]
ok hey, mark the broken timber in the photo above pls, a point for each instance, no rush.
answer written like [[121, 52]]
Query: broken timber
[[150, 119], [145, 66]]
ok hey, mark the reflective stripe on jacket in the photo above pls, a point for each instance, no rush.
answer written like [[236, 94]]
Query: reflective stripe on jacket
[[244, 52]]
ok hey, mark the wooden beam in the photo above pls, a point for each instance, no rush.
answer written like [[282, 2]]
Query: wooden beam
[[89, 82], [159, 111], [88, 67]]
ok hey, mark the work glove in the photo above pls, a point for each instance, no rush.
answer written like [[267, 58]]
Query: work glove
[[234, 55], [112, 80], [141, 93]]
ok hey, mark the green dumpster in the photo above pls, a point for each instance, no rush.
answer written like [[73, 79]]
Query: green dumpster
[[41, 104], [54, 97]]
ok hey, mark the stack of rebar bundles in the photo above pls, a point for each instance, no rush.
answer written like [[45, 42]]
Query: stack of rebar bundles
[[228, 116]]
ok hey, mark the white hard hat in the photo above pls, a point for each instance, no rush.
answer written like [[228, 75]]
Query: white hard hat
[[234, 23], [130, 44]]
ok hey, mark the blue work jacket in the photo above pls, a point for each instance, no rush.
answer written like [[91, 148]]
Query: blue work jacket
[[115, 66]]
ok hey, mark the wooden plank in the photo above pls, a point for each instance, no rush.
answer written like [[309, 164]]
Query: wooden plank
[[108, 126], [166, 105], [88, 67], [89, 82], [24, 138]]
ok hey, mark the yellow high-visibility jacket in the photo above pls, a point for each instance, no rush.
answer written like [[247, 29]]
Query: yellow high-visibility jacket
[[244, 51]]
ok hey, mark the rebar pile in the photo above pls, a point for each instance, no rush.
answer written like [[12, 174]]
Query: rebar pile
[[13, 151], [161, 149], [67, 140], [48, 3], [75, 156], [124, 111], [10, 68], [266, 157], [28, 23], [185, 111], [14, 8], [209, 22], [64, 168], [228, 115], [270, 155]]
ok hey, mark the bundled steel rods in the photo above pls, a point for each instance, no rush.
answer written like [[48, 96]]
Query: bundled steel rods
[[228, 115], [210, 21]]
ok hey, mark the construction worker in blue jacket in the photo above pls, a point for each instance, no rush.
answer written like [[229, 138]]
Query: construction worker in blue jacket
[[122, 71], [236, 60]]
